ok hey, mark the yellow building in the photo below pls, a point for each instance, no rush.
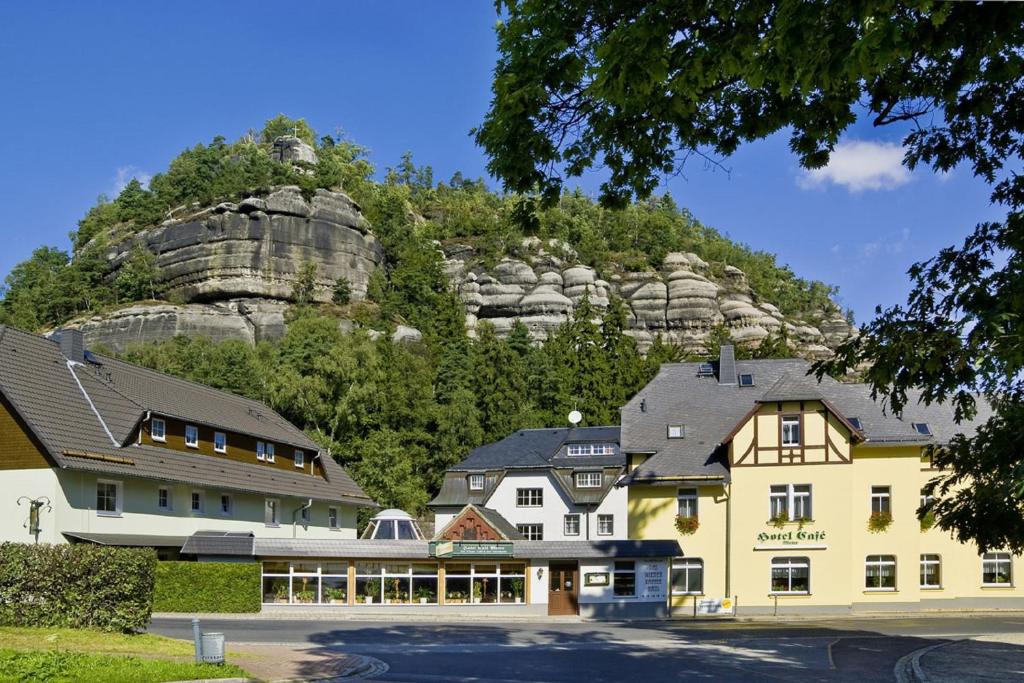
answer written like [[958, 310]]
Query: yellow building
[[792, 496]]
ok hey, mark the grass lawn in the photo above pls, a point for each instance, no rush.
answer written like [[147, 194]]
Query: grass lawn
[[57, 655]]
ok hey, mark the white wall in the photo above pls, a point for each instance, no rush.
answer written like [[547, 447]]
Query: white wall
[[651, 582], [556, 506], [73, 496]]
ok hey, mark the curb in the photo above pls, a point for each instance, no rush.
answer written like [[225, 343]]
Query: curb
[[361, 668], [908, 669]]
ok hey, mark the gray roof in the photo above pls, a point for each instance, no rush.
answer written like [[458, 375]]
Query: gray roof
[[710, 411], [534, 449], [220, 543], [83, 415], [128, 540], [415, 550]]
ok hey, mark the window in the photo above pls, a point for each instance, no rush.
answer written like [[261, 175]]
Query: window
[[307, 582], [300, 459], [197, 501], [880, 500], [531, 532], [476, 482], [855, 421], [922, 428], [926, 499], [271, 513], [687, 501], [158, 429], [529, 498], [588, 480], [880, 572], [307, 514], [605, 525], [791, 430], [572, 525], [220, 442], [791, 502], [996, 569], [676, 431], [687, 576], [108, 498], [746, 380], [261, 450], [332, 518], [225, 504], [192, 436], [270, 452], [624, 579], [576, 449], [484, 583], [163, 498], [791, 575], [931, 576]]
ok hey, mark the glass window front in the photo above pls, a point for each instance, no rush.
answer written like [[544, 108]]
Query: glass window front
[[624, 579], [931, 576], [305, 583], [996, 569], [687, 576], [396, 583], [485, 583], [791, 575], [880, 572]]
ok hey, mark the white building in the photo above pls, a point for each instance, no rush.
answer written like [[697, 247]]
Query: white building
[[97, 450], [550, 484]]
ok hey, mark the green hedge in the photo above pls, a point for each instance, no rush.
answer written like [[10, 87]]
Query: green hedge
[[207, 587], [76, 586]]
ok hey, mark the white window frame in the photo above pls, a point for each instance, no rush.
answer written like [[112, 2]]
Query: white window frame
[[275, 518], [588, 480], [926, 499], [261, 450], [167, 505], [270, 452], [192, 502], [786, 436], [222, 439], [118, 498], [609, 519], [688, 497], [584, 449], [789, 563], [883, 495], [231, 505], [880, 563], [476, 482], [194, 430], [530, 497], [795, 501], [675, 431], [686, 565], [529, 530], [997, 559], [332, 518], [300, 458], [575, 519], [153, 422], [937, 563]]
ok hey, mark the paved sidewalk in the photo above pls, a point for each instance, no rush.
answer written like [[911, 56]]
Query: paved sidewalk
[[983, 659], [280, 663]]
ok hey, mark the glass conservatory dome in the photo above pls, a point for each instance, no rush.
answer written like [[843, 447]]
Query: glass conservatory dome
[[393, 524]]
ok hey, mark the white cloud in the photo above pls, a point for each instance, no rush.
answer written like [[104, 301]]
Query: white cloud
[[125, 174], [860, 165], [892, 244]]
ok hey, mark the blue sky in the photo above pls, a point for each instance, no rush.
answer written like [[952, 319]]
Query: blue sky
[[95, 92]]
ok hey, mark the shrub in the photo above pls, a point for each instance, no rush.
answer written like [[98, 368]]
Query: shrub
[[76, 586], [779, 520], [879, 521], [686, 525], [927, 520], [342, 292], [207, 587]]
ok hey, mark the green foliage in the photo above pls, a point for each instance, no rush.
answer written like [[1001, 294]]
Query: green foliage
[[342, 293], [54, 666], [281, 126], [79, 586], [879, 522], [137, 278], [207, 587], [304, 288]]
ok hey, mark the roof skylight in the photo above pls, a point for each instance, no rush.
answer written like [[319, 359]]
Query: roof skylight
[[922, 428]]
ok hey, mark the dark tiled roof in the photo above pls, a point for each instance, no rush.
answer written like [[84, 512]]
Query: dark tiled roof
[[83, 420], [219, 543], [710, 410], [128, 540]]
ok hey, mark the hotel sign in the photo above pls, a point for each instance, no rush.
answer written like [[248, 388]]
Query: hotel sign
[[471, 549], [791, 537]]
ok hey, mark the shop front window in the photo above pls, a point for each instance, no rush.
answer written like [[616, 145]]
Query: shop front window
[[305, 583], [687, 576], [624, 579], [791, 575], [880, 572], [485, 583]]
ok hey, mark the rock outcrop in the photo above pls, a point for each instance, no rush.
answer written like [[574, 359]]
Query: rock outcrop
[[682, 302]]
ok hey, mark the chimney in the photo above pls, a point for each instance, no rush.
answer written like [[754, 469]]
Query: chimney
[[726, 364], [72, 345]]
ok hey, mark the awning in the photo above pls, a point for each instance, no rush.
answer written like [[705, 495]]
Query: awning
[[129, 540]]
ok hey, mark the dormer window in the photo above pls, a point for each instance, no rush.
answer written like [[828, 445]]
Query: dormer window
[[676, 431], [220, 442], [300, 459], [922, 428], [158, 430], [746, 380], [192, 436], [588, 480], [270, 452], [855, 421], [261, 450], [476, 482], [584, 449]]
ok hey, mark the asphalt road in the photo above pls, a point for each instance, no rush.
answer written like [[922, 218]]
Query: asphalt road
[[556, 652]]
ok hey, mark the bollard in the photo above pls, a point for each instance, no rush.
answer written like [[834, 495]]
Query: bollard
[[197, 637]]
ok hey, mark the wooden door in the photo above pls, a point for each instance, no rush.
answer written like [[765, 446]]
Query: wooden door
[[563, 589]]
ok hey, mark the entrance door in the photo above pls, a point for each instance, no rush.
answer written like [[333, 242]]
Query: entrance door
[[563, 589]]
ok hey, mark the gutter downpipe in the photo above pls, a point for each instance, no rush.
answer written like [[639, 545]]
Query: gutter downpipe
[[295, 512], [728, 539]]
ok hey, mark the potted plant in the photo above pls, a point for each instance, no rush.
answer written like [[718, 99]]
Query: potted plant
[[335, 596], [879, 521], [281, 593], [424, 594], [478, 591], [372, 590], [779, 520], [305, 596], [517, 590], [455, 597], [687, 524], [803, 521], [928, 520]]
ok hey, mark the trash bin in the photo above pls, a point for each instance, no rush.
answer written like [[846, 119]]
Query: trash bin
[[213, 648]]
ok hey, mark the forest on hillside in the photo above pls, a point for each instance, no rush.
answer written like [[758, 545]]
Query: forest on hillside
[[396, 415]]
